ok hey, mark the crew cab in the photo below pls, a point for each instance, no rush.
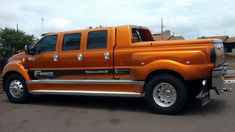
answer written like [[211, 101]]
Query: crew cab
[[121, 61]]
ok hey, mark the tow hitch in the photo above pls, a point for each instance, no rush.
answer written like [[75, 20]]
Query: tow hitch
[[222, 90], [228, 90], [205, 94]]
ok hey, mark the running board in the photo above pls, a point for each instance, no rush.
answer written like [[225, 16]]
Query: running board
[[87, 93], [65, 81]]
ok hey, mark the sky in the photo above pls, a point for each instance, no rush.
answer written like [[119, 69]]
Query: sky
[[190, 18]]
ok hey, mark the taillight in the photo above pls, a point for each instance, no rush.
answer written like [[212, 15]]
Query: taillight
[[217, 53], [213, 55]]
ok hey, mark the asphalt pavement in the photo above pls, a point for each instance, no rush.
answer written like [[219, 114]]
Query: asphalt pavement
[[106, 114]]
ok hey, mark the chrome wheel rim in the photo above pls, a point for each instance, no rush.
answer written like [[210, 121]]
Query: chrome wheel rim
[[164, 94], [16, 88]]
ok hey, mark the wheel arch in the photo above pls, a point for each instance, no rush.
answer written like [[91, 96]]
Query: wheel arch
[[15, 69], [7, 74], [163, 71]]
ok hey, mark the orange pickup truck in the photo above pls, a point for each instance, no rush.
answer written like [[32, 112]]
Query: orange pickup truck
[[120, 61]]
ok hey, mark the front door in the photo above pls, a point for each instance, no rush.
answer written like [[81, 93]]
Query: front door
[[98, 55], [40, 65]]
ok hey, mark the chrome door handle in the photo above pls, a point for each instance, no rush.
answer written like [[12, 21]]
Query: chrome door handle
[[80, 57], [55, 58], [106, 55]]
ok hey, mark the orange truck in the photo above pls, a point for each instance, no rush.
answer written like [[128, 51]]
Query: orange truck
[[121, 61]]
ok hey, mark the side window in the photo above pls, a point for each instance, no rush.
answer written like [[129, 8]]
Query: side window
[[48, 43], [71, 42], [97, 40], [135, 36], [141, 35]]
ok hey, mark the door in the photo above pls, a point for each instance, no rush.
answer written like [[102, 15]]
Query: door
[[98, 55], [70, 58], [42, 64]]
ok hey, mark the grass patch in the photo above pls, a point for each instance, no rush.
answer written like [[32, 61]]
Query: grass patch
[[231, 64], [230, 54]]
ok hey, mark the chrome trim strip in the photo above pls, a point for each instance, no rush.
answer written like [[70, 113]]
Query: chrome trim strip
[[53, 81], [87, 93]]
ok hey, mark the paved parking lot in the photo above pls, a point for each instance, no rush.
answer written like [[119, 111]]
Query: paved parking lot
[[88, 114]]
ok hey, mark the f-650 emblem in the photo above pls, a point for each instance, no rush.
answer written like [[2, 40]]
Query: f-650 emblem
[[43, 74]]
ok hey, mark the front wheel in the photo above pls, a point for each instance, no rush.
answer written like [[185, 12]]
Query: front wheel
[[16, 89], [166, 94]]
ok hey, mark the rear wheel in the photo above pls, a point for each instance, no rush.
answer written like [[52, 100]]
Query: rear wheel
[[166, 94], [16, 89]]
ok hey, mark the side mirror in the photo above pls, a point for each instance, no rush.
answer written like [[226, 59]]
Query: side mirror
[[30, 51], [26, 49]]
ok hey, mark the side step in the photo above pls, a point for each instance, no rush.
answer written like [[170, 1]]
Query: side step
[[87, 93]]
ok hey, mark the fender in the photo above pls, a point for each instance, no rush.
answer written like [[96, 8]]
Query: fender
[[16, 66], [188, 72]]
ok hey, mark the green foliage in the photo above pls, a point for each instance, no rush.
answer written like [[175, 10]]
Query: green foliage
[[5, 52], [13, 41]]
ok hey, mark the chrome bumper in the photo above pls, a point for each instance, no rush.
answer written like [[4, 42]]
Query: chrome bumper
[[218, 78]]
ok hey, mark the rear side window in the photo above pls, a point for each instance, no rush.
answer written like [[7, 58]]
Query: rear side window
[[97, 40], [136, 36], [71, 42], [46, 44], [139, 35]]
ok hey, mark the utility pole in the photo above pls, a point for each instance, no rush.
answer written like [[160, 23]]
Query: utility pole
[[42, 25], [17, 27], [162, 28], [13, 48]]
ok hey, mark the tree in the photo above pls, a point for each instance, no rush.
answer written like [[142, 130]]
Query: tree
[[13, 41]]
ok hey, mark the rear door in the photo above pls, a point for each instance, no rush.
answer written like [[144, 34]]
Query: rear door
[[98, 55], [70, 58]]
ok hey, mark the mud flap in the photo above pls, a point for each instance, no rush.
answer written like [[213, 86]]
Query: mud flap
[[205, 96]]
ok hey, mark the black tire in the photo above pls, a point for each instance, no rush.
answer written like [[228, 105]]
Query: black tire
[[24, 95], [180, 91]]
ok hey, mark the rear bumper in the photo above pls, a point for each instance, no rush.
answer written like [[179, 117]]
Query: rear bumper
[[218, 78]]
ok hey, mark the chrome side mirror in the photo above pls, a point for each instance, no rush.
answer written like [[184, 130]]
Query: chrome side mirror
[[26, 49], [30, 51]]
